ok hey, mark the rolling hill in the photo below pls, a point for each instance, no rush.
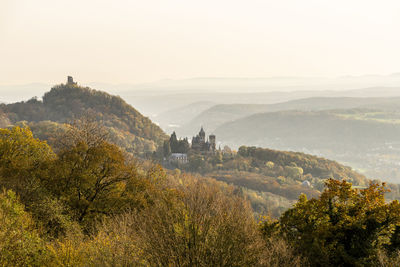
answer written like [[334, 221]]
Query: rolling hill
[[272, 179], [66, 102], [366, 139], [217, 115]]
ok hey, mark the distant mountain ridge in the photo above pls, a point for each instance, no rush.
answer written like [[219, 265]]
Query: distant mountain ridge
[[312, 129], [217, 115], [367, 139]]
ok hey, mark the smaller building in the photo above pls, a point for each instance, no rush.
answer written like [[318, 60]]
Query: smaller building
[[179, 158]]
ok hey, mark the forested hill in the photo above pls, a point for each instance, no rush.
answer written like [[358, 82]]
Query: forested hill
[[217, 115], [273, 179], [338, 130], [66, 102]]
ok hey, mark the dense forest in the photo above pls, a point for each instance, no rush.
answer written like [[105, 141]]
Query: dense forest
[[272, 179], [65, 103], [92, 204], [73, 194]]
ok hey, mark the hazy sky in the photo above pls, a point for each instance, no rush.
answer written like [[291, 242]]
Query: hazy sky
[[146, 40]]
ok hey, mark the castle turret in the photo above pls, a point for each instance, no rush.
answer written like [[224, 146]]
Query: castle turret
[[70, 80], [202, 135], [199, 142], [212, 141]]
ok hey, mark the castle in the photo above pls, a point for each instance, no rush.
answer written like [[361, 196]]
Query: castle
[[176, 150], [200, 144], [70, 81]]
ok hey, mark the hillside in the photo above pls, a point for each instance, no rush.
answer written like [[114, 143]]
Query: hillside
[[271, 179], [64, 103], [217, 115], [310, 129], [365, 139]]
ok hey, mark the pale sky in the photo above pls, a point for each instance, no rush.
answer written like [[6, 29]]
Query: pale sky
[[134, 41]]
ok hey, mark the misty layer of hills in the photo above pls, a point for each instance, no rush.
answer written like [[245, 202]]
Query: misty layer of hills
[[153, 98], [217, 115], [361, 132], [271, 179], [334, 118], [358, 127]]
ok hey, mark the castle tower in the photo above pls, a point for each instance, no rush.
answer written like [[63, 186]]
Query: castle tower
[[70, 80], [202, 135], [212, 140]]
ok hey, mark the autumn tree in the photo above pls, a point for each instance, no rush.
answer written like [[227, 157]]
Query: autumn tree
[[24, 162], [20, 243], [206, 225], [85, 129], [91, 179], [344, 226]]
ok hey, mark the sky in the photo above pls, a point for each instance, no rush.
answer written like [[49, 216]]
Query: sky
[[136, 41]]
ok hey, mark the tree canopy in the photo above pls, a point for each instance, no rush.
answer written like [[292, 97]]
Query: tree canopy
[[344, 226]]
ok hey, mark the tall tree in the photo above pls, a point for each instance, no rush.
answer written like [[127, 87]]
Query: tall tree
[[173, 142], [166, 148]]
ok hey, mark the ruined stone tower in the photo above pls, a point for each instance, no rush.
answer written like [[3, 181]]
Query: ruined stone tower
[[70, 81]]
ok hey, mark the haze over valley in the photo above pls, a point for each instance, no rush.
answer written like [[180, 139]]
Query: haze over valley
[[280, 111], [199, 133]]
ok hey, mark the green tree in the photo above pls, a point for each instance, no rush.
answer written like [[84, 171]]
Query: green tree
[[183, 146], [295, 173], [20, 244], [344, 226], [166, 148], [24, 162], [91, 180], [243, 151], [270, 165], [196, 163], [173, 142]]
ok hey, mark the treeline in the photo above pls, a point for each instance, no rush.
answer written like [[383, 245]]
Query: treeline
[[282, 174], [64, 103], [173, 145], [309, 166], [343, 227], [290, 166], [91, 204]]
